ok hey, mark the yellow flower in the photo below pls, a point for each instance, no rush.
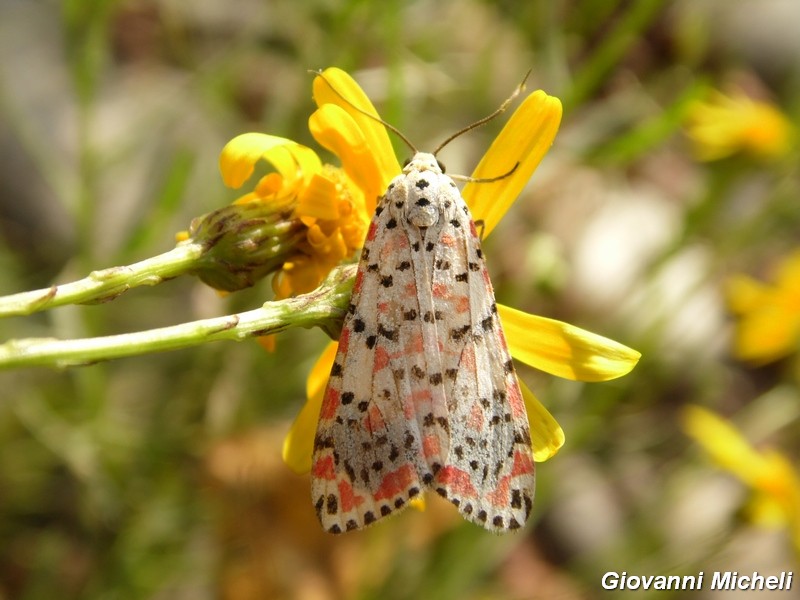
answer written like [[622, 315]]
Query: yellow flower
[[769, 314], [724, 125], [769, 474], [549, 345], [333, 204]]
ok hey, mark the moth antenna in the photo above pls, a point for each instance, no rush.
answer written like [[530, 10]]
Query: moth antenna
[[485, 179], [388, 126], [484, 120]]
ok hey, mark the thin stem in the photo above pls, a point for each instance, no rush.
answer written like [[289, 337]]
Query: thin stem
[[106, 284], [324, 307]]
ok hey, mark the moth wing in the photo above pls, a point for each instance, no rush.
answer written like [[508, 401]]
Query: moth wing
[[377, 430], [489, 470]]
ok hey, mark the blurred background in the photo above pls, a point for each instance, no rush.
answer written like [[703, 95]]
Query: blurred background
[[665, 217]]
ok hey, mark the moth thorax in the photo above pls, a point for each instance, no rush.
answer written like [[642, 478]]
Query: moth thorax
[[422, 213]]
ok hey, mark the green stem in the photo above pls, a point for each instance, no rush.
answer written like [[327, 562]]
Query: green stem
[[107, 284], [324, 307]]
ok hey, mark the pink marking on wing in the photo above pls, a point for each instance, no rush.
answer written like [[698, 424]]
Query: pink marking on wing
[[440, 290], [461, 304], [499, 496], [409, 410], [344, 340], [323, 468], [348, 498], [330, 403], [383, 307], [458, 481], [523, 464], [393, 245], [468, 359], [374, 422], [418, 396], [399, 242], [503, 343], [515, 398], [415, 345], [430, 446], [476, 418], [472, 229], [373, 227], [410, 289], [394, 483], [382, 359], [447, 240], [359, 282]]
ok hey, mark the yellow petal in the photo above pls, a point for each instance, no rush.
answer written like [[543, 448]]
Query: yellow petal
[[299, 275], [547, 437], [745, 294], [319, 199], [723, 443], [765, 511], [337, 131], [525, 139], [298, 445], [777, 502], [239, 156], [564, 350], [268, 342], [787, 276], [418, 502], [338, 88], [766, 335]]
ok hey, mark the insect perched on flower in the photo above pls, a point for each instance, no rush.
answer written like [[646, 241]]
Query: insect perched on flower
[[421, 392]]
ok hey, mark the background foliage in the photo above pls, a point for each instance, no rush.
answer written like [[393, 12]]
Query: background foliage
[[161, 476]]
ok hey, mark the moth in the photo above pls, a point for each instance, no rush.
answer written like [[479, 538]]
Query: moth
[[422, 394]]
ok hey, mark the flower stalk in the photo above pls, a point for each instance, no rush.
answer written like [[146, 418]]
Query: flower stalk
[[106, 284], [324, 307]]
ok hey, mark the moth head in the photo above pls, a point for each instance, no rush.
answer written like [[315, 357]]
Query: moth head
[[423, 161]]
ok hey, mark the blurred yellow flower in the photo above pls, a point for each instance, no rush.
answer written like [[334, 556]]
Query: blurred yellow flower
[[725, 125], [775, 483], [768, 326], [549, 345]]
